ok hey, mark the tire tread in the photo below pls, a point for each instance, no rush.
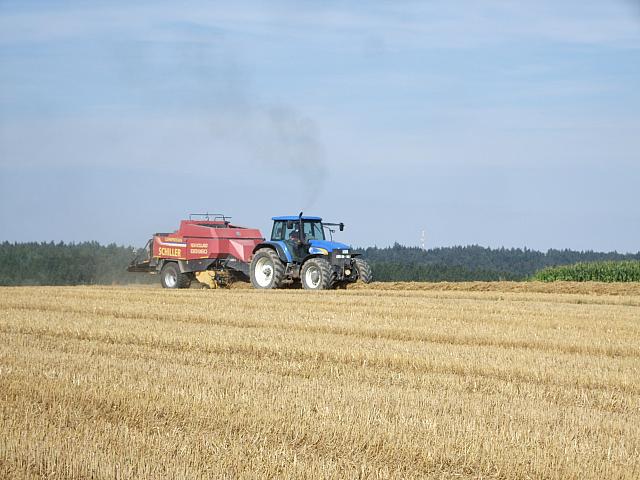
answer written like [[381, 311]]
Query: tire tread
[[183, 280], [278, 268], [365, 274], [325, 269]]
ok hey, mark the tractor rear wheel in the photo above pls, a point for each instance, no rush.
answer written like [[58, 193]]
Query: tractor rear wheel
[[267, 270], [316, 274], [364, 270], [171, 277]]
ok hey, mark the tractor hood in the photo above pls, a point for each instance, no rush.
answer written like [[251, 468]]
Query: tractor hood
[[329, 246]]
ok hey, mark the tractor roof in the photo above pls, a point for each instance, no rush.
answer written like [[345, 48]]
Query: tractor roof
[[293, 218]]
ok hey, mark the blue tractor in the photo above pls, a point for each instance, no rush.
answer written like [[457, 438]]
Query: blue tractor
[[299, 251]]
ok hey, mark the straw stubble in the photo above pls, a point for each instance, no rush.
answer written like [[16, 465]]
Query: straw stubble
[[110, 382]]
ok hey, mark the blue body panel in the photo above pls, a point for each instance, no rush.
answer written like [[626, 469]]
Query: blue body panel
[[293, 218], [328, 245], [283, 246]]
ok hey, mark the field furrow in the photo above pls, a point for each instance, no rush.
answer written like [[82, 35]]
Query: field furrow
[[144, 383]]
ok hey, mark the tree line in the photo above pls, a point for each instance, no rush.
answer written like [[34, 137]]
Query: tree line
[[85, 263], [49, 263], [473, 262]]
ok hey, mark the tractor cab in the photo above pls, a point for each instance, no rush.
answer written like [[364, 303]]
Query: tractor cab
[[297, 228], [305, 235]]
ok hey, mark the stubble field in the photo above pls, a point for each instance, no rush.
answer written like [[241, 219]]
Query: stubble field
[[388, 381]]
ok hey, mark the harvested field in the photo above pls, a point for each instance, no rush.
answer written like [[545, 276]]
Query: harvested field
[[598, 288], [389, 381]]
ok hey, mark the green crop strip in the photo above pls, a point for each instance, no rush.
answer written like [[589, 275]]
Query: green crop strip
[[608, 271]]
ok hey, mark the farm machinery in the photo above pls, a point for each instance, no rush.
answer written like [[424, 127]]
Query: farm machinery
[[207, 248], [211, 250], [299, 251]]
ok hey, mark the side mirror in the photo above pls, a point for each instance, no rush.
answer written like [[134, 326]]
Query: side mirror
[[341, 226]]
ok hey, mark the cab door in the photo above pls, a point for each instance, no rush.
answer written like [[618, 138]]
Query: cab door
[[288, 232]]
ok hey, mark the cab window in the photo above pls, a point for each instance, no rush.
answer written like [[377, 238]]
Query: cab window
[[278, 231], [286, 230], [313, 231]]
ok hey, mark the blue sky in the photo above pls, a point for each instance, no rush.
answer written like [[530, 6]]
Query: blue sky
[[495, 123]]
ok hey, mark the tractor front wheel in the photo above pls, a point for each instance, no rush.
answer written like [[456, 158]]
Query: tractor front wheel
[[316, 274], [267, 271], [171, 277], [364, 271]]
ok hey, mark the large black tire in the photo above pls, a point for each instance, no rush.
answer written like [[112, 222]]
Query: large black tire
[[364, 271], [316, 274], [267, 270], [170, 276]]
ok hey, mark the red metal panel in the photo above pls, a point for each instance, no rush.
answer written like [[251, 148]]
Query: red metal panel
[[214, 240], [169, 247]]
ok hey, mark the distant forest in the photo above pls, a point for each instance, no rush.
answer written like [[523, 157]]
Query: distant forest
[[471, 263], [86, 263], [92, 263]]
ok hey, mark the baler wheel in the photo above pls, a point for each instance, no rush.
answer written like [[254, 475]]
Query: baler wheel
[[363, 268], [267, 270], [316, 274], [171, 277]]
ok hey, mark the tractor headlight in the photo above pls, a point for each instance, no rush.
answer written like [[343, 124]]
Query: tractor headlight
[[318, 251]]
